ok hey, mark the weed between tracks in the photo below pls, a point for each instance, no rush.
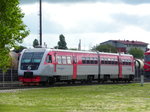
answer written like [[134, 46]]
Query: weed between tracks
[[95, 98]]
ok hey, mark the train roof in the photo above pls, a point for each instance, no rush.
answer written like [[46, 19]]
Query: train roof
[[59, 50], [35, 50]]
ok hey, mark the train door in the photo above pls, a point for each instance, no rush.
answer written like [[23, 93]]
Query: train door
[[55, 62], [74, 76], [119, 67]]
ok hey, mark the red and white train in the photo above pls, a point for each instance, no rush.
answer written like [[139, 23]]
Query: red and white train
[[41, 65]]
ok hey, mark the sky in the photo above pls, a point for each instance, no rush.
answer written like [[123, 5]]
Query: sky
[[91, 21]]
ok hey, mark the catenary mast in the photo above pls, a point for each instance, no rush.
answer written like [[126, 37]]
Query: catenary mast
[[40, 20]]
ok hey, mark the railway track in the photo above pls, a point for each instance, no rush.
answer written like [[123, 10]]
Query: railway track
[[17, 85]]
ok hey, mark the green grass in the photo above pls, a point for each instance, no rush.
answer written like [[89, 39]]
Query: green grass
[[97, 98]]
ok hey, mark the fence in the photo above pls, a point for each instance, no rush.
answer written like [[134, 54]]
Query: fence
[[10, 75]]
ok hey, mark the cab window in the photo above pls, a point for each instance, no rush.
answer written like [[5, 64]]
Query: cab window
[[49, 59]]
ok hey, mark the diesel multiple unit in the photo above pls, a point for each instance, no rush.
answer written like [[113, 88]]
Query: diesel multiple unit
[[41, 65]]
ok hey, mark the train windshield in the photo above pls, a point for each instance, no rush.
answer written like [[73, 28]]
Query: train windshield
[[147, 58], [32, 57]]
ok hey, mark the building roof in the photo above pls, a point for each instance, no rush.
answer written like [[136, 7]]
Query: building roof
[[127, 42]]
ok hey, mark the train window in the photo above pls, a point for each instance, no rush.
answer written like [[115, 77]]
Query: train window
[[115, 61], [126, 62], [36, 60], [106, 61], [83, 60], [74, 60], [68, 59], [129, 62], [38, 55], [95, 60], [112, 61], [88, 60], [109, 61], [102, 61], [123, 62], [27, 55], [63, 59], [49, 59], [92, 60], [59, 59], [32, 57], [147, 58], [25, 60]]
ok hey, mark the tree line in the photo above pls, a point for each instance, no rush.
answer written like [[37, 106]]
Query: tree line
[[136, 52]]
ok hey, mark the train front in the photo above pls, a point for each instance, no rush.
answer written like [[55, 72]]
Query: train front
[[147, 64], [29, 66]]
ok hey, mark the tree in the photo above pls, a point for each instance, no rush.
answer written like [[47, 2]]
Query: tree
[[74, 49], [55, 47], [136, 52], [104, 48], [19, 49], [35, 43], [12, 29], [62, 43]]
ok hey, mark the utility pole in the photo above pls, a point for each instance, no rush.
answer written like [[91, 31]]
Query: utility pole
[[40, 22], [79, 45]]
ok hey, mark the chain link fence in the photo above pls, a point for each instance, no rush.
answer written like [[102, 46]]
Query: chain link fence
[[9, 78], [10, 75]]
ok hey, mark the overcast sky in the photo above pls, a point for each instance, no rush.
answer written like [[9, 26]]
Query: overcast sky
[[92, 21]]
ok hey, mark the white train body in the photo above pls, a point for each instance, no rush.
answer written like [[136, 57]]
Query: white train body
[[49, 65]]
